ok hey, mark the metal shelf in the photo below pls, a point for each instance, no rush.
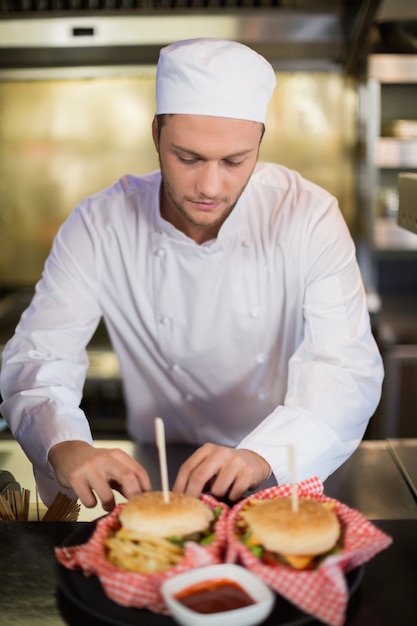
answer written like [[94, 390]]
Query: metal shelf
[[393, 68], [387, 100], [388, 236], [396, 153]]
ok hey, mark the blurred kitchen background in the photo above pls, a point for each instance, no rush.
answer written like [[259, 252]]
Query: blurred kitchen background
[[76, 106]]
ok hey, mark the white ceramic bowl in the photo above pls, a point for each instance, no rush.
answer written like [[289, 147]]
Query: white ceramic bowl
[[256, 613]]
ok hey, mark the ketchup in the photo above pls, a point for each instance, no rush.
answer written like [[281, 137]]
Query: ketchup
[[214, 596]]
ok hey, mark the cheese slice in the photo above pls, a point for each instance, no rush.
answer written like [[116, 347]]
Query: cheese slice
[[253, 541], [298, 561], [295, 560]]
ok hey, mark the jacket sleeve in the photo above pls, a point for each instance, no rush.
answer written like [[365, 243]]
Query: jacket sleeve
[[335, 374], [45, 363]]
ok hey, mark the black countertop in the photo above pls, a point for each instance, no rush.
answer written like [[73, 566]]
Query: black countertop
[[404, 452], [372, 482], [29, 594]]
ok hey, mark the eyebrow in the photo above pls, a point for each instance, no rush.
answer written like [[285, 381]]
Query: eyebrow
[[200, 156]]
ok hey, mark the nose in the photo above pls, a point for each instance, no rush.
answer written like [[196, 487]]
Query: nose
[[209, 180]]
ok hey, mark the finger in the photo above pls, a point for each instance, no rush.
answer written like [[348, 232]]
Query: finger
[[227, 484], [92, 487], [123, 480], [199, 473], [235, 490], [130, 484], [107, 500], [234, 478], [244, 471], [87, 498], [133, 466], [98, 480], [190, 484], [84, 493], [186, 470]]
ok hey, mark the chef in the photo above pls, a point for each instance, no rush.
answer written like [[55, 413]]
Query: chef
[[232, 297]]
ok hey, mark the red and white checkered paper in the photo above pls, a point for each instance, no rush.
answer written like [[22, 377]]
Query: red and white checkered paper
[[134, 589], [322, 593]]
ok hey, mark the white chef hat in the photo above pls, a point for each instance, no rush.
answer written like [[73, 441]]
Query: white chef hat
[[213, 77]]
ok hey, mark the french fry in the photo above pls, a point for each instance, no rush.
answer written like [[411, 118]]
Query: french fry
[[143, 554]]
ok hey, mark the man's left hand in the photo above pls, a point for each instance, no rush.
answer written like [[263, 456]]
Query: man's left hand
[[230, 472]]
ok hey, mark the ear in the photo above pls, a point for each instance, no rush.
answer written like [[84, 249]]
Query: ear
[[155, 133]]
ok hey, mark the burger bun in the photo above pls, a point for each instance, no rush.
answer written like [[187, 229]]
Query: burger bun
[[313, 529], [148, 514]]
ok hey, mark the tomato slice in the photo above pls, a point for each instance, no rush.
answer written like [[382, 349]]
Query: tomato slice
[[269, 558]]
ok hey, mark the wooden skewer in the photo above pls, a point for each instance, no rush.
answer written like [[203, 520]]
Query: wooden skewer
[[15, 505], [294, 487], [160, 442], [6, 513], [38, 516], [62, 509], [25, 503]]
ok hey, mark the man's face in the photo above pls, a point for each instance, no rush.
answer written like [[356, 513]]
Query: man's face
[[206, 163]]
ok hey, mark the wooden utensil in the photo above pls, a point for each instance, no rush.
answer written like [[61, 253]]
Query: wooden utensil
[[160, 442], [294, 487]]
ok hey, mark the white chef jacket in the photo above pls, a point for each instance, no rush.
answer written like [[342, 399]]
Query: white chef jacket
[[258, 339]]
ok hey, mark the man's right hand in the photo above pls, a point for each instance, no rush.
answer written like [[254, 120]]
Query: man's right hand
[[93, 473]]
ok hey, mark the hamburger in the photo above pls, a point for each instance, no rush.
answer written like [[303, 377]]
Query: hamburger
[[301, 538], [153, 533]]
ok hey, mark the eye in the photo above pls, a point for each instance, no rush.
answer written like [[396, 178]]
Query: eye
[[232, 163], [188, 160]]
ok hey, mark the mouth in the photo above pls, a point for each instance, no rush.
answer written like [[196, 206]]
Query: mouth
[[205, 206]]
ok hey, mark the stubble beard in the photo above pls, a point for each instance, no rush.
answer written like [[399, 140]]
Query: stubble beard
[[180, 207]]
